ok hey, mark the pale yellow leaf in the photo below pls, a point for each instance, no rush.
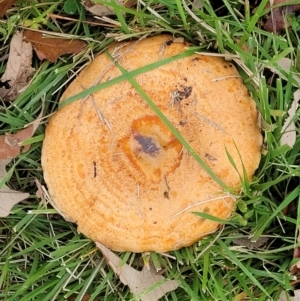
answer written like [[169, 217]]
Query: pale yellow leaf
[[146, 283]]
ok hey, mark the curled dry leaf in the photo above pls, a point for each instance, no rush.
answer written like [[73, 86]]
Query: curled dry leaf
[[155, 286], [52, 48], [8, 197], [277, 20], [5, 5], [18, 70]]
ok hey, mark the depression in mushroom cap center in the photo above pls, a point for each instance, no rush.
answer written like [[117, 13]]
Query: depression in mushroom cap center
[[152, 148]]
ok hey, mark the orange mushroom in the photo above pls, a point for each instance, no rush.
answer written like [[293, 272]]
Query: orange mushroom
[[114, 167]]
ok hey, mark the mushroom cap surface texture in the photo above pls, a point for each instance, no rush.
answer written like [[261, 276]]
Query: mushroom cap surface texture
[[113, 167]]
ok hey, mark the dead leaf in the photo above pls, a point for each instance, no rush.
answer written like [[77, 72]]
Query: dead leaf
[[277, 20], [52, 48], [5, 5], [288, 130], [10, 147], [285, 296], [8, 197], [18, 70], [245, 242], [11, 144], [104, 10], [146, 283]]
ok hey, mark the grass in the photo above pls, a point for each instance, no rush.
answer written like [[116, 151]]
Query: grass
[[42, 257]]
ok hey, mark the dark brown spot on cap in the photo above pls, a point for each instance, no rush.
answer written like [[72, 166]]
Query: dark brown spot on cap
[[147, 144]]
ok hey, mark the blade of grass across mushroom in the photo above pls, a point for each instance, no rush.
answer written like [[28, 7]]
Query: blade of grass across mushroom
[[171, 127], [125, 76]]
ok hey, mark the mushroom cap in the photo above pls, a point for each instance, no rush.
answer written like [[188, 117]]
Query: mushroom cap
[[113, 167]]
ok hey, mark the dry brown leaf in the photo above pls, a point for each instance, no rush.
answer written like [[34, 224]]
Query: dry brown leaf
[[52, 48], [8, 197], [139, 282], [11, 144], [289, 128], [18, 70], [103, 10], [5, 5], [277, 20]]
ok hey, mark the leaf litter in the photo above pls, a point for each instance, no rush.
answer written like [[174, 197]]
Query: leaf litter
[[11, 144], [146, 284], [18, 72], [52, 48], [11, 147]]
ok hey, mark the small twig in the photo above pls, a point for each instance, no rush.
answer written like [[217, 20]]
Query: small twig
[[212, 123], [206, 201], [100, 114], [224, 77]]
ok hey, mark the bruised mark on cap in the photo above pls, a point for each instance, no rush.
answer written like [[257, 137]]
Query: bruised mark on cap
[[147, 144]]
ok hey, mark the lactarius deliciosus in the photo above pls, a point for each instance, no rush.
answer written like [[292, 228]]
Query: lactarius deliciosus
[[115, 168]]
